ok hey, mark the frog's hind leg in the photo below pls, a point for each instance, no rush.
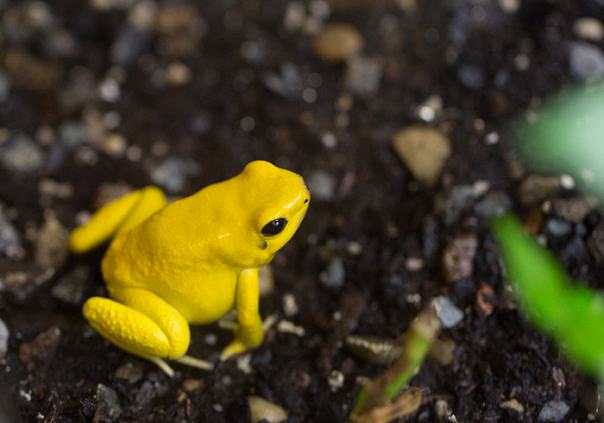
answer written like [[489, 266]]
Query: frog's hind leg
[[116, 218], [143, 324]]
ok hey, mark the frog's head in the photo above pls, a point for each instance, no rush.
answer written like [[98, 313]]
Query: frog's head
[[272, 203]]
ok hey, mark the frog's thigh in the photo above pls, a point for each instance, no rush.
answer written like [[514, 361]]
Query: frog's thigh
[[141, 323]]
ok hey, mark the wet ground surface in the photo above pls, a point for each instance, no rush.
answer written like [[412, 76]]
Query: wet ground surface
[[112, 95]]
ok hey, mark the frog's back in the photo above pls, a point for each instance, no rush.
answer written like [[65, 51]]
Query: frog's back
[[176, 239]]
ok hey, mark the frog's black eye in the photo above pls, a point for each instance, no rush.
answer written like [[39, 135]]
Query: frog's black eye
[[274, 227]]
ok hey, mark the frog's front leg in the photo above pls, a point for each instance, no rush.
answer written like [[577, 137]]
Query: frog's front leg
[[142, 323], [249, 333]]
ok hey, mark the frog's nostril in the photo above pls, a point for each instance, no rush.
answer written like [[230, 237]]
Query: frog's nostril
[[306, 201]]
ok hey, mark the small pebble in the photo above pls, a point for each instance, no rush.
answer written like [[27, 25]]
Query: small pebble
[[586, 60], [407, 6], [22, 279], [42, 349], [567, 182], [574, 209], [191, 385], [171, 174], [86, 156], [322, 185], [424, 151], [287, 83], [512, 404], [294, 16], [363, 75], [354, 248], [335, 380], [494, 204], [431, 108], [290, 307], [535, 189], [413, 264], [179, 74], [595, 242], [335, 274], [4, 334], [553, 411], [590, 29], [109, 397], [52, 188], [72, 134], [559, 228], [129, 44], [70, 287], [173, 18], [142, 15], [458, 257], [130, 372], [261, 410], [442, 409], [441, 351], [52, 249], [471, 76], [115, 145], [22, 154], [509, 6], [10, 240], [337, 42], [5, 84], [447, 312]]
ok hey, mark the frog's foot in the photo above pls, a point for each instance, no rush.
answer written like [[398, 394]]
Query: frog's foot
[[245, 337], [142, 323]]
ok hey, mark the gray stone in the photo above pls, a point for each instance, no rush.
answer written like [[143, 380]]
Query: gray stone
[[70, 287], [287, 83], [21, 279], [558, 227], [574, 209], [471, 76], [363, 75], [5, 84], [553, 411], [172, 173], [586, 60], [322, 185], [4, 334], [109, 397], [72, 134], [10, 240], [494, 204], [447, 312], [22, 154], [129, 45], [335, 274]]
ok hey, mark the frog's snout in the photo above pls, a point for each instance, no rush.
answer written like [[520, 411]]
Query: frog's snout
[[305, 187]]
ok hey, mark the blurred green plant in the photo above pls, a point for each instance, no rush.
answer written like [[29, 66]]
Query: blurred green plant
[[571, 313], [565, 135]]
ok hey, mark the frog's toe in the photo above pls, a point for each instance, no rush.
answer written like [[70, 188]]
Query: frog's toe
[[187, 360], [234, 348]]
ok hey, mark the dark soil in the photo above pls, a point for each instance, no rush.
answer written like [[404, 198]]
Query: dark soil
[[55, 362]]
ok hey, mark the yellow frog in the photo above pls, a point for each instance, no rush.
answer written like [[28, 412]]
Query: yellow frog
[[190, 261]]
